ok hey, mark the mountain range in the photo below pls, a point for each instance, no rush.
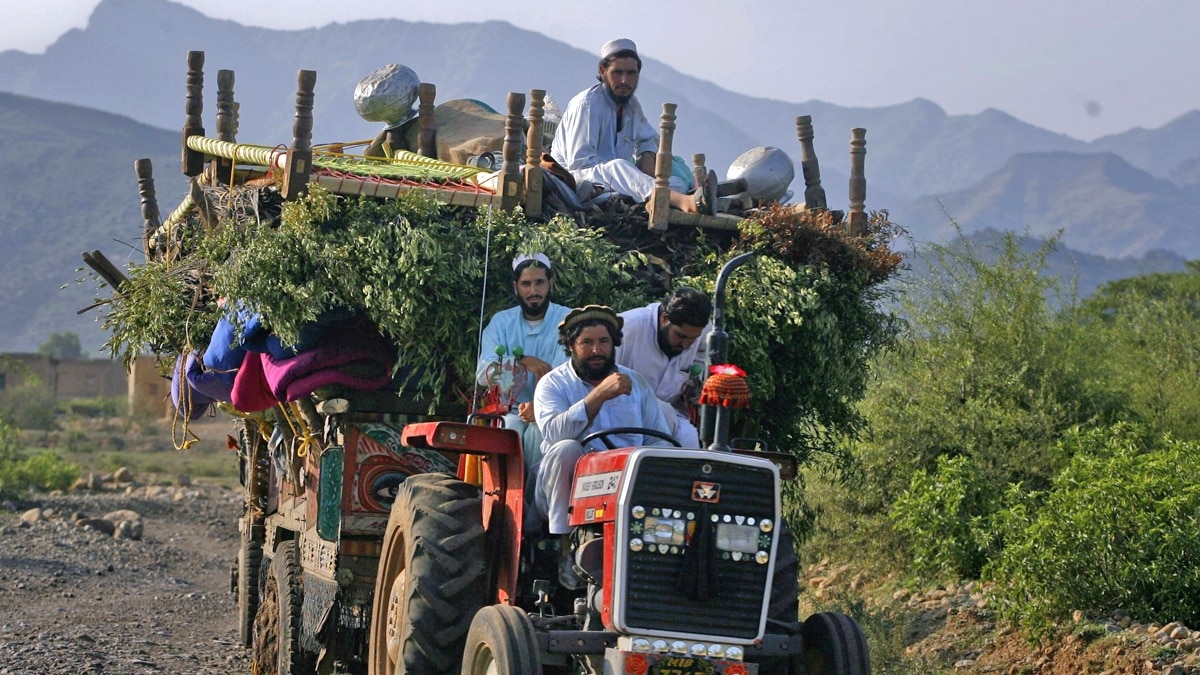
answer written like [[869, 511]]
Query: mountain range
[[68, 171]]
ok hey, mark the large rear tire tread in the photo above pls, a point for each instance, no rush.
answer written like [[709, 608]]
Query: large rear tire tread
[[834, 644], [435, 539], [277, 623], [502, 641]]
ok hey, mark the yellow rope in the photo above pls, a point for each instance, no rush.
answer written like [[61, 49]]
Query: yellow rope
[[308, 440], [265, 426], [183, 409]]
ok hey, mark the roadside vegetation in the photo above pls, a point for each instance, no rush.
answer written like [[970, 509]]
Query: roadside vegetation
[[1043, 446]]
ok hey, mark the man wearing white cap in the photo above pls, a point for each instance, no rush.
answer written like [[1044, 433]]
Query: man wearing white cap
[[604, 137], [530, 328]]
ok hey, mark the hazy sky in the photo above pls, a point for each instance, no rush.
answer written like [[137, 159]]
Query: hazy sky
[[1085, 68]]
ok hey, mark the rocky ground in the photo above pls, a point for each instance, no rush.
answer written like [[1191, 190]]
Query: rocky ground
[[952, 629], [132, 580]]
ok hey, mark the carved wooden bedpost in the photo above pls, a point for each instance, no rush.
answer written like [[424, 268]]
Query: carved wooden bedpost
[[226, 124], [299, 155], [533, 153], [858, 181], [699, 171], [151, 218], [814, 194], [426, 121], [510, 172], [660, 198], [192, 163]]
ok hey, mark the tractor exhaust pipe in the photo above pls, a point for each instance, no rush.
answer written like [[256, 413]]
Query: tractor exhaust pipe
[[714, 423]]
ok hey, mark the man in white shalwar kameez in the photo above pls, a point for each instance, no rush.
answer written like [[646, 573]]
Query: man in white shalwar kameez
[[665, 343], [604, 137]]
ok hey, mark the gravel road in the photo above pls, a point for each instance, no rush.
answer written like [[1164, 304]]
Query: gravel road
[[75, 599]]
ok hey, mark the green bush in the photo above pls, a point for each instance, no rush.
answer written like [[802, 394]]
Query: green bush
[[987, 371], [1115, 531], [42, 470], [1150, 331], [945, 517], [29, 405]]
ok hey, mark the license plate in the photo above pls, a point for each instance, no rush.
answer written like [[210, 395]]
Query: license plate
[[629, 663], [683, 665]]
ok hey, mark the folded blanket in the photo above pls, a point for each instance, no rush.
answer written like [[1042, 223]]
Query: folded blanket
[[250, 390], [352, 356]]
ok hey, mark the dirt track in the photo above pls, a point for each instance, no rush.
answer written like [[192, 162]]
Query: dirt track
[[76, 600]]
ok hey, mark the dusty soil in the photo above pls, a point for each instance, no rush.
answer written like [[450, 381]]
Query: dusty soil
[[77, 600], [953, 629]]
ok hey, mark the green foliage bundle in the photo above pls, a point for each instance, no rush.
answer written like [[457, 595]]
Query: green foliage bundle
[[1115, 531], [805, 320]]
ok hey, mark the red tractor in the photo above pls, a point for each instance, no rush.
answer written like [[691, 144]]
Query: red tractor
[[688, 566]]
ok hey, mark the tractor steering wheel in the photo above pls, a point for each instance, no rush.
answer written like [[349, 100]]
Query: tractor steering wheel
[[603, 436]]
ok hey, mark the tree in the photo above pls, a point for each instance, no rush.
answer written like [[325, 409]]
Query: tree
[[62, 346], [1151, 325]]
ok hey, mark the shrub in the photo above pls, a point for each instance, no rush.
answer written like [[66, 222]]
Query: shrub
[[945, 518], [1116, 530], [43, 470], [29, 405]]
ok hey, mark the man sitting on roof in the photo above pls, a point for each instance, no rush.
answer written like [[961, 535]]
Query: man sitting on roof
[[603, 132]]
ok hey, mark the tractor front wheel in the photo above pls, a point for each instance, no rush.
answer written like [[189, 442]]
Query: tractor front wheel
[[834, 645], [501, 641]]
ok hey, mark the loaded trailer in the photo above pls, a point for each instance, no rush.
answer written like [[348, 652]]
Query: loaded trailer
[[384, 521]]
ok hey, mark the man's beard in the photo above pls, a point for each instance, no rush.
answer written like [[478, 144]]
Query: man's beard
[[664, 343], [594, 372], [619, 100], [535, 310]]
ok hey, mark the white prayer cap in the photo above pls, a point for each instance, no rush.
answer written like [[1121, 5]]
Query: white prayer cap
[[619, 45], [539, 258]]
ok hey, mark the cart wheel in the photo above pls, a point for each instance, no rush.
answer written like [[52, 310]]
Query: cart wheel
[[249, 563], [277, 624], [834, 645], [501, 642]]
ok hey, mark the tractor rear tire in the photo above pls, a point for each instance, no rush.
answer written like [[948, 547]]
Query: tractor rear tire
[[834, 645], [501, 641], [432, 578]]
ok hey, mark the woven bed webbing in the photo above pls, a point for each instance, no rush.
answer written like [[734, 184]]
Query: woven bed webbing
[[402, 165]]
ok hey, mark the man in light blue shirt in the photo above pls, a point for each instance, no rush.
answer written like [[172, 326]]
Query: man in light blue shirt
[[529, 329], [588, 393]]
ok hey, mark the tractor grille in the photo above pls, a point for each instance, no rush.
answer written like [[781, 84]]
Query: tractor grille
[[653, 601]]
